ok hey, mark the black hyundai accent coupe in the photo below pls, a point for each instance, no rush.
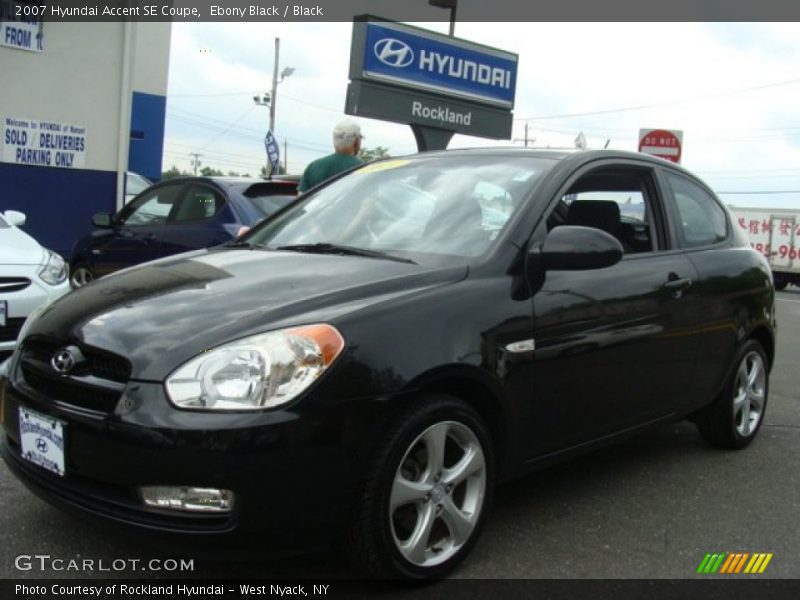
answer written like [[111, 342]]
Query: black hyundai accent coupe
[[369, 363]]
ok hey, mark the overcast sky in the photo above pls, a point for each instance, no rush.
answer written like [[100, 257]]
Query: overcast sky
[[733, 89]]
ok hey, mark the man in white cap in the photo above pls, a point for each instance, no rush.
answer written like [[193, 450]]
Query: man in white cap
[[347, 143]]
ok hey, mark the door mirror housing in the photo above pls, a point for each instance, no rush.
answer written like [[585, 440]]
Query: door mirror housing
[[575, 248], [103, 220], [15, 218]]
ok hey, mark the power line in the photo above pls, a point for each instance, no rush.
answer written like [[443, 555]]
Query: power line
[[666, 103]]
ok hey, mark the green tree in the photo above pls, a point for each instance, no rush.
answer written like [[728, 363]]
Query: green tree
[[370, 154], [172, 173], [211, 172]]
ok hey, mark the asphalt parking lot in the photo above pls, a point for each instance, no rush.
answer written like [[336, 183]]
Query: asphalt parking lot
[[649, 508]]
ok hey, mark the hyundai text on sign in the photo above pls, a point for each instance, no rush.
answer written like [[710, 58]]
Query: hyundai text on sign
[[424, 60], [43, 143], [663, 143]]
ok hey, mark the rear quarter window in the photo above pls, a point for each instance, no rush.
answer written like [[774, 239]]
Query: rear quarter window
[[701, 220]]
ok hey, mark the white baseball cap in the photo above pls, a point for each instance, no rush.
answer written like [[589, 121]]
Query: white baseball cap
[[346, 132]]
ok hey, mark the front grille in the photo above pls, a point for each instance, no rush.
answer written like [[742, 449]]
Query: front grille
[[96, 383], [10, 331], [98, 363], [13, 284], [71, 391]]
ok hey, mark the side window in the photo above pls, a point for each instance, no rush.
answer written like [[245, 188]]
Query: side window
[[616, 200], [199, 203], [702, 220], [151, 209]]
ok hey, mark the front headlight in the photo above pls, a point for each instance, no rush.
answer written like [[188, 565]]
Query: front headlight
[[54, 270], [257, 372]]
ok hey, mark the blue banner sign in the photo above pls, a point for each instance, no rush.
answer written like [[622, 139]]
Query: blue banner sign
[[423, 60], [273, 151]]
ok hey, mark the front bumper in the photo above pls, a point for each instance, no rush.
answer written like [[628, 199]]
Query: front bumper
[[293, 473]]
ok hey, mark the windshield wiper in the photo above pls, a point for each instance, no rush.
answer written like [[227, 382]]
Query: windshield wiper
[[326, 248], [242, 244]]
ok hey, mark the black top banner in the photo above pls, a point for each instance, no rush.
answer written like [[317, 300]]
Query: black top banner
[[406, 10]]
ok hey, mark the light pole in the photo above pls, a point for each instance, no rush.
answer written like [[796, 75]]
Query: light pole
[[451, 4], [270, 99]]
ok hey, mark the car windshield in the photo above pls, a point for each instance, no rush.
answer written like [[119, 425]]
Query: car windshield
[[418, 208]]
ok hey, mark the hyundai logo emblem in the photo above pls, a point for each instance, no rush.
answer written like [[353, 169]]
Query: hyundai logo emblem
[[63, 361], [394, 52], [41, 445]]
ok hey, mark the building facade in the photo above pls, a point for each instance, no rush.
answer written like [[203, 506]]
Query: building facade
[[81, 103]]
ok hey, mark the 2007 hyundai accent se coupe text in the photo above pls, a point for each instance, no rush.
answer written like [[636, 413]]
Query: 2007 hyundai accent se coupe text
[[367, 365]]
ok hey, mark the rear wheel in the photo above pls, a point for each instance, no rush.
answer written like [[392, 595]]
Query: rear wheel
[[735, 417], [426, 493], [80, 275]]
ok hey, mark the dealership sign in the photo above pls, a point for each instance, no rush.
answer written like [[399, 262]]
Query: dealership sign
[[430, 81], [425, 60], [21, 26], [43, 143]]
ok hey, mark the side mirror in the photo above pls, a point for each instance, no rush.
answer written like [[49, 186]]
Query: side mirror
[[574, 248], [102, 220], [15, 218]]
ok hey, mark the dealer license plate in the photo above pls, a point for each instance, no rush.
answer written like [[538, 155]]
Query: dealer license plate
[[42, 440]]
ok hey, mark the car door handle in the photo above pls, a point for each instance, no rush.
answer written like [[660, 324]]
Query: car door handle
[[677, 285]]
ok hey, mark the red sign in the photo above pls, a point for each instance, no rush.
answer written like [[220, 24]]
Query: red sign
[[662, 143]]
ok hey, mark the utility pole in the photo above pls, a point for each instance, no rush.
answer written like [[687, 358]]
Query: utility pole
[[526, 138], [274, 96], [270, 99], [196, 160]]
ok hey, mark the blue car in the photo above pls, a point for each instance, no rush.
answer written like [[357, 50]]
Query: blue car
[[176, 216]]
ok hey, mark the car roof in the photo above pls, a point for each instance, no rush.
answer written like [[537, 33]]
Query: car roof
[[577, 156], [240, 184]]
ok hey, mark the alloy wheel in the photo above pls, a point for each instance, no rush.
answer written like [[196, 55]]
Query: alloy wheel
[[437, 494], [749, 394]]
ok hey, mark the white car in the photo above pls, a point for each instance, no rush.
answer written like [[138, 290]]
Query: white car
[[29, 277]]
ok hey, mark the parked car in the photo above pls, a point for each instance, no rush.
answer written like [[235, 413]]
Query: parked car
[[360, 371], [29, 277], [135, 184], [175, 216]]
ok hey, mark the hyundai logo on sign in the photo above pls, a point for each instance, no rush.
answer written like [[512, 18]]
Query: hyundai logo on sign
[[422, 60], [394, 53]]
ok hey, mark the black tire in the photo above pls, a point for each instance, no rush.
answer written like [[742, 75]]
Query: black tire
[[722, 423], [80, 274], [376, 534], [781, 283]]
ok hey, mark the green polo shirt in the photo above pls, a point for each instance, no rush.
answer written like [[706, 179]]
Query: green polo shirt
[[325, 168]]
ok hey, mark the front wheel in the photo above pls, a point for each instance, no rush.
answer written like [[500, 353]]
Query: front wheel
[[735, 417], [426, 493], [80, 275]]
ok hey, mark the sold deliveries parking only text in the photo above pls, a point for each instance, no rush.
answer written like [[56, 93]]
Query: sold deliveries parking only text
[[43, 143]]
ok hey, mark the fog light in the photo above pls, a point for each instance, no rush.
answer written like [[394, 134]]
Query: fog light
[[190, 499]]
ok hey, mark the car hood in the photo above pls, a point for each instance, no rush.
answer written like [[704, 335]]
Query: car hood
[[160, 314], [18, 248]]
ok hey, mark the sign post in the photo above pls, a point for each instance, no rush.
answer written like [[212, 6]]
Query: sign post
[[663, 143]]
